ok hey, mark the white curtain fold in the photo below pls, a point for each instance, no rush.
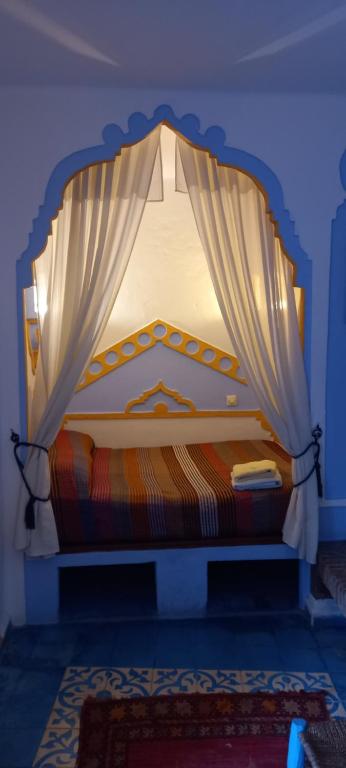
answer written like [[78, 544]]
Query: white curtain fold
[[77, 279], [252, 279], [155, 192]]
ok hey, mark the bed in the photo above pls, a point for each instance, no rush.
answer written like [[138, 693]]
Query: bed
[[172, 507], [158, 497]]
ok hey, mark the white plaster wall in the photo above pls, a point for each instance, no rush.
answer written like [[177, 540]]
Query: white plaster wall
[[137, 434], [300, 137]]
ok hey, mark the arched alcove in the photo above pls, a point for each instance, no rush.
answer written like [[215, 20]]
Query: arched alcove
[[213, 139]]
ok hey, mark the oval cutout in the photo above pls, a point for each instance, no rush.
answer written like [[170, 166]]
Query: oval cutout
[[225, 364], [208, 355], [175, 339], [128, 348], [111, 358], [144, 339], [95, 368], [160, 331], [192, 347]]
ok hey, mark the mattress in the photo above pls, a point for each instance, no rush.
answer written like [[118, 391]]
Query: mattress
[[176, 495]]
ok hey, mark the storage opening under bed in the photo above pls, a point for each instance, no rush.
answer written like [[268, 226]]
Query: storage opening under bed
[[258, 585], [107, 592]]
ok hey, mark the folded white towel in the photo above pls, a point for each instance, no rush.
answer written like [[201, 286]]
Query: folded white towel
[[253, 483], [252, 469]]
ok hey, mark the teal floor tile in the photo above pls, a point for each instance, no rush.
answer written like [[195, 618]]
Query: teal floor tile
[[33, 660], [18, 746]]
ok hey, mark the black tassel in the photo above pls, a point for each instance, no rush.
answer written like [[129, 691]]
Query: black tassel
[[319, 480], [317, 434], [30, 514]]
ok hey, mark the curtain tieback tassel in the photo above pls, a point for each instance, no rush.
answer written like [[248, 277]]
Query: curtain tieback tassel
[[30, 522], [315, 444]]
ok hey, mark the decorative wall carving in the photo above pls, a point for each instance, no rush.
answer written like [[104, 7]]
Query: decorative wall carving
[[170, 336], [161, 409]]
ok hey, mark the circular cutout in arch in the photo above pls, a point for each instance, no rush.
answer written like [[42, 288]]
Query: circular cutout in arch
[[144, 339], [128, 348], [175, 339], [192, 347], [160, 331], [208, 355], [225, 364], [95, 368], [111, 358]]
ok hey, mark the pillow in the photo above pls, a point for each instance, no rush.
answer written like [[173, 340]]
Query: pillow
[[71, 459]]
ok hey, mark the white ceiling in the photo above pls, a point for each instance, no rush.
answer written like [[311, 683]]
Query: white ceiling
[[292, 45]]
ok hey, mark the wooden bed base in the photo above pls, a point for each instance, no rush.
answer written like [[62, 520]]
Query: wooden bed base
[[181, 576]]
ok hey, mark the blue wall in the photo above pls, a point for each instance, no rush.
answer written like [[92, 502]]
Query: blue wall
[[336, 361]]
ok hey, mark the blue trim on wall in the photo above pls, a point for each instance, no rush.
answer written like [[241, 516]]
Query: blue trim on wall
[[335, 484], [138, 127]]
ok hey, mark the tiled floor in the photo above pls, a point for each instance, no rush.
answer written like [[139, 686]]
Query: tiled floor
[[59, 744], [34, 661]]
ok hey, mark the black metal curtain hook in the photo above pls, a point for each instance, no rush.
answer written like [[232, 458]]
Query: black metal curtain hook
[[30, 522], [316, 433]]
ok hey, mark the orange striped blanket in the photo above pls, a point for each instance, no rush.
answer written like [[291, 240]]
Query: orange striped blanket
[[173, 495]]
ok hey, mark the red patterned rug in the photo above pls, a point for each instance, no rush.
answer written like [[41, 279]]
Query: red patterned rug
[[237, 730]]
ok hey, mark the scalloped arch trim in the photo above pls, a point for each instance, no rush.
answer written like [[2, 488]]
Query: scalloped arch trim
[[213, 139]]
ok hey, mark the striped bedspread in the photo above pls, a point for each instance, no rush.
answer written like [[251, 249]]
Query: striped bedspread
[[177, 494]]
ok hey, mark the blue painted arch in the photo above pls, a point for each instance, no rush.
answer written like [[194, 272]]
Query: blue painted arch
[[139, 126]]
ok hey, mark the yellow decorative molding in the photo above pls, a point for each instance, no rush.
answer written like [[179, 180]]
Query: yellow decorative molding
[[160, 409], [170, 336], [166, 414]]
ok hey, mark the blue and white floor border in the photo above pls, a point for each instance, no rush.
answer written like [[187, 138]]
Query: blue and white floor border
[[59, 745]]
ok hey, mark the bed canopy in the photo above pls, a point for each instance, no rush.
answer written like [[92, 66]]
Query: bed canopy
[[78, 278]]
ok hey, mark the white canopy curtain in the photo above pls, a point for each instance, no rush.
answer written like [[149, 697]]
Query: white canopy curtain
[[78, 278], [252, 279]]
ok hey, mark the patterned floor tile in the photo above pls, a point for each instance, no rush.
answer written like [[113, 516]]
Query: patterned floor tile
[[123, 682], [60, 742], [295, 681], [80, 682], [58, 749], [169, 681], [218, 681]]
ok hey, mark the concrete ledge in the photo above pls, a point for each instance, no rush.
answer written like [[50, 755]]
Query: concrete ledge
[[181, 576]]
